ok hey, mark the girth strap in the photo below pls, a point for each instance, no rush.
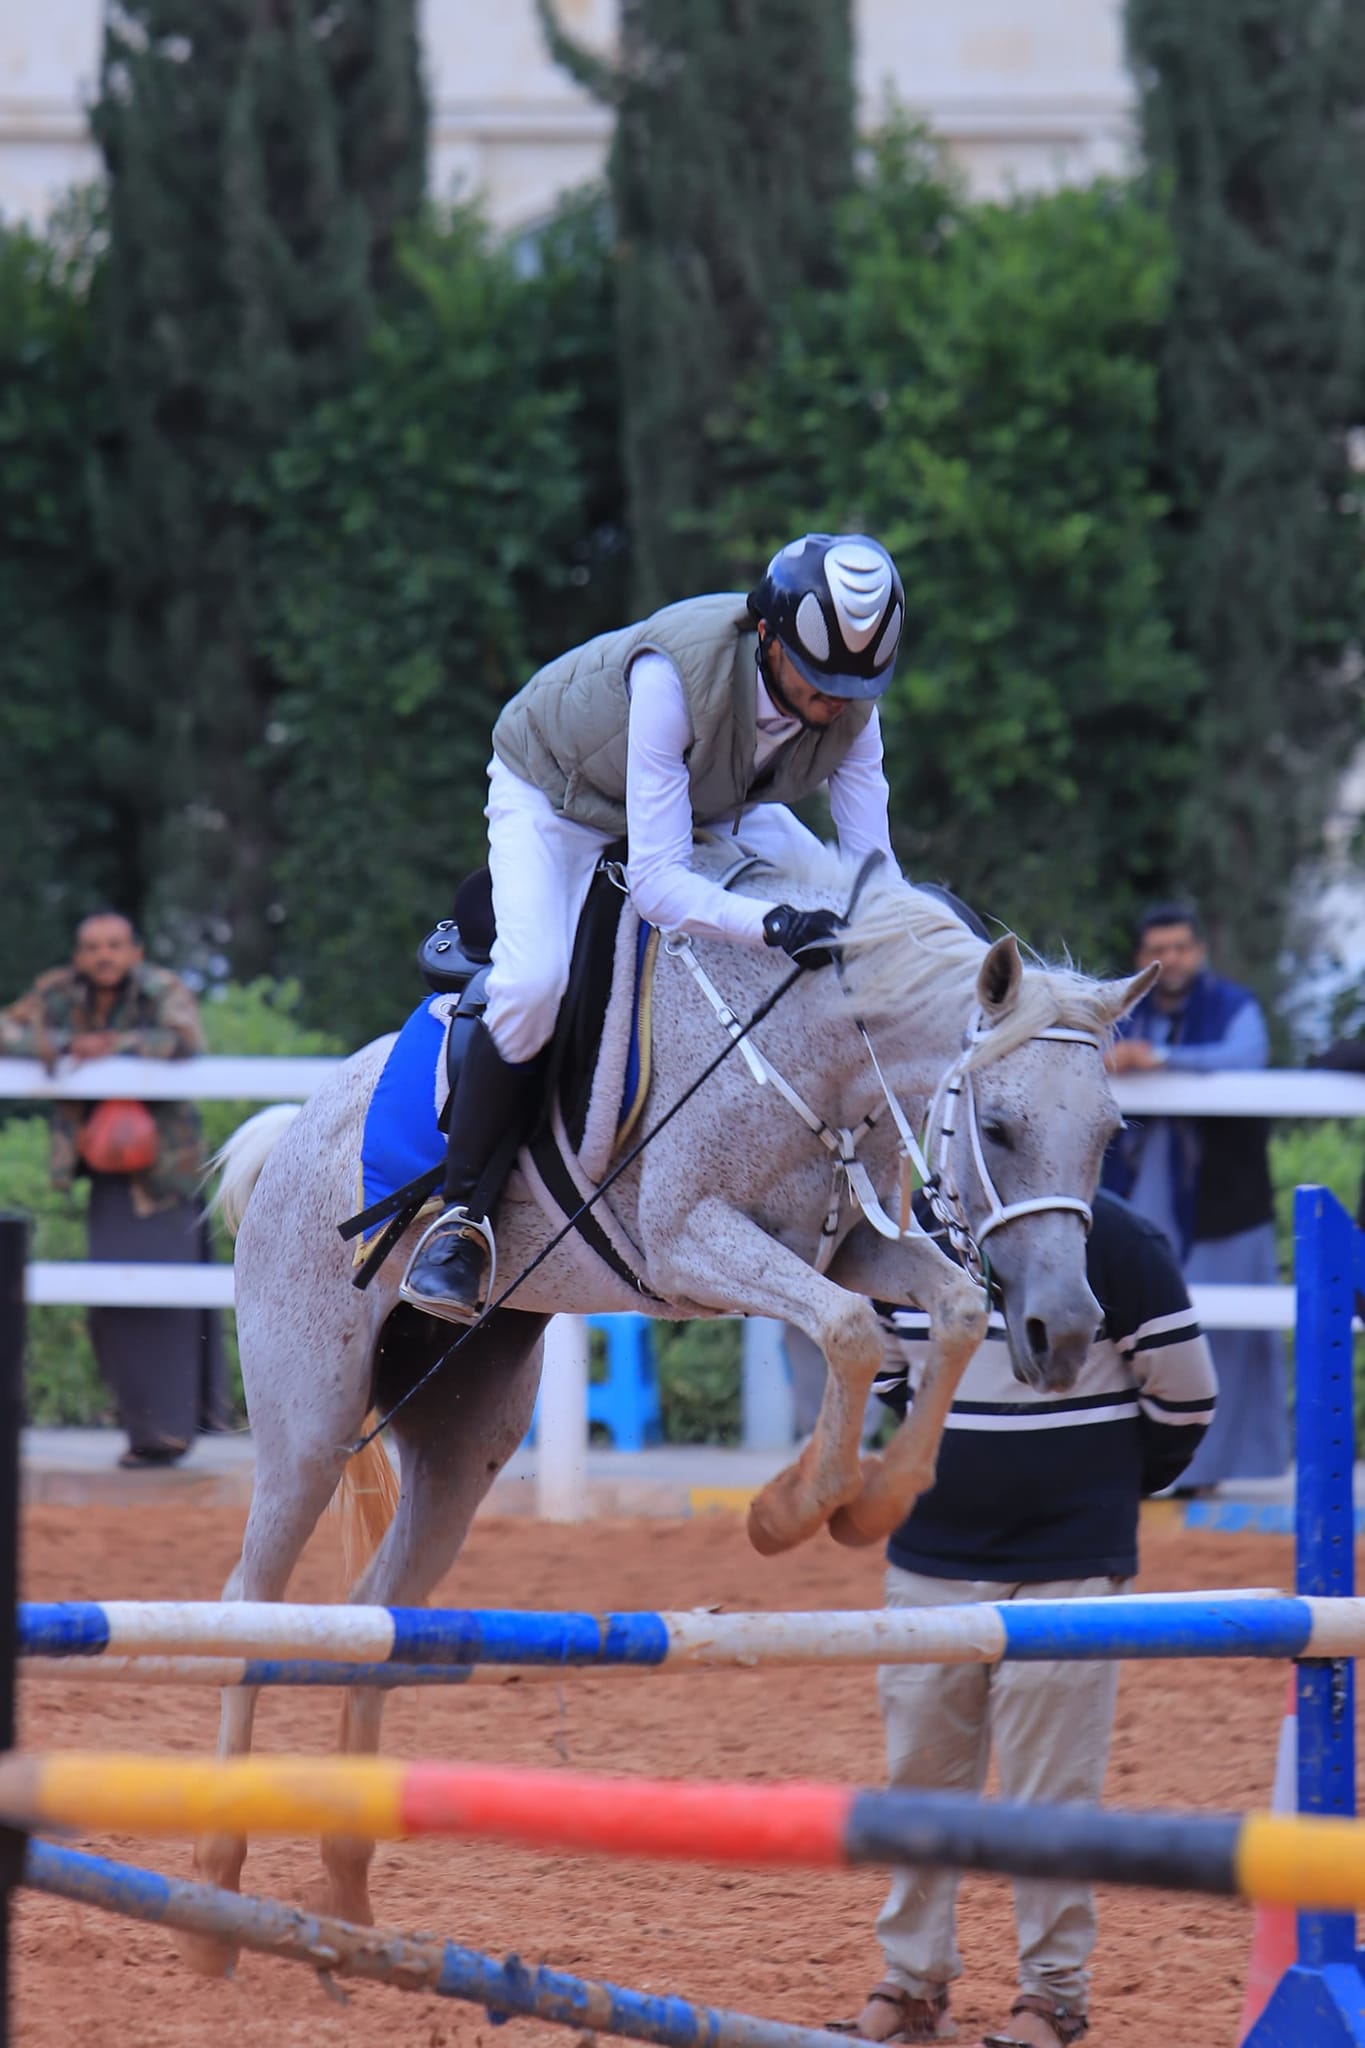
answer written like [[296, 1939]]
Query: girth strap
[[549, 1163]]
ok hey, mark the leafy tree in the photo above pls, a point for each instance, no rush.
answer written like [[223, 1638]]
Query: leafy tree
[[433, 535], [982, 394], [566, 312], [260, 158], [733, 146], [1253, 117], [62, 839]]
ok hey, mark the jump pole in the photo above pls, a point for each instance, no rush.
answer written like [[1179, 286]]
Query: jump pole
[[265, 1634], [13, 1251], [1272, 1859], [336, 1948]]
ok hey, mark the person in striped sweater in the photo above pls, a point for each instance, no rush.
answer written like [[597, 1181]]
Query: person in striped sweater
[[1036, 1497]]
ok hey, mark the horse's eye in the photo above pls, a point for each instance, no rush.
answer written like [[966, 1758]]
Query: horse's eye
[[996, 1133]]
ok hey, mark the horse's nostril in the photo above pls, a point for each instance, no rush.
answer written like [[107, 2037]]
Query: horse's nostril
[[1035, 1329]]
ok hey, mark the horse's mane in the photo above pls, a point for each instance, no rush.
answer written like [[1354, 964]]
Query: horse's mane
[[906, 952]]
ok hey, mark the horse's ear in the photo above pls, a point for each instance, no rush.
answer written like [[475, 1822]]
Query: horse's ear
[[1117, 998], [1002, 971]]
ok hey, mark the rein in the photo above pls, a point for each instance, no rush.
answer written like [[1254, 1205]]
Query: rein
[[737, 1037], [841, 1142]]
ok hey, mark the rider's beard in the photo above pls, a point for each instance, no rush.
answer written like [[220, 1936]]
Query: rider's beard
[[779, 696]]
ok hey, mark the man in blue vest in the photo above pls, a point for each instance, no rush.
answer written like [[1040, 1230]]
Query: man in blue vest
[[1205, 1181], [715, 709]]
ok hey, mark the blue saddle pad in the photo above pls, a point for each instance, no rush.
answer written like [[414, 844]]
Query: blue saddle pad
[[402, 1138]]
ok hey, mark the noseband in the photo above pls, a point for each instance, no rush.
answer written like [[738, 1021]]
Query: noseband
[[956, 1092]]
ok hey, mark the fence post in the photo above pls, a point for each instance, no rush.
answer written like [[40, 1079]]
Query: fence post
[[13, 1248], [562, 1422], [765, 1387]]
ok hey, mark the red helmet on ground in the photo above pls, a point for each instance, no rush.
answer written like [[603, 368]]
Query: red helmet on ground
[[118, 1137]]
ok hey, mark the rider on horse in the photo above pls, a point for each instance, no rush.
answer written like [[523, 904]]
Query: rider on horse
[[688, 718]]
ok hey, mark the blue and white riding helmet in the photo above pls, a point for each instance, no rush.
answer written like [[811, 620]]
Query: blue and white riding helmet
[[836, 603]]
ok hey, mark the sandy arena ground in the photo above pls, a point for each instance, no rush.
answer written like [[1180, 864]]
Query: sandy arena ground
[[794, 1946]]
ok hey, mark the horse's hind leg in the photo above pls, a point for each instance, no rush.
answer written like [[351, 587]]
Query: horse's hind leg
[[286, 1501], [454, 1438]]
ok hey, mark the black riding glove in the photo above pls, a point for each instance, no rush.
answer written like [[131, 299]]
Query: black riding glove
[[804, 934]]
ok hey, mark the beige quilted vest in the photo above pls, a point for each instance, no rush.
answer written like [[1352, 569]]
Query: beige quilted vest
[[566, 730]]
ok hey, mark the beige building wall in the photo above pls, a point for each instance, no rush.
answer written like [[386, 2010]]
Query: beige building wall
[[1026, 93]]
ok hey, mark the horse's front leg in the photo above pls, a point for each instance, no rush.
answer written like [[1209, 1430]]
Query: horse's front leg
[[913, 1271], [722, 1259]]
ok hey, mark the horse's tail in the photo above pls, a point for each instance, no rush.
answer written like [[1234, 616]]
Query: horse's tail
[[366, 1500], [239, 1162]]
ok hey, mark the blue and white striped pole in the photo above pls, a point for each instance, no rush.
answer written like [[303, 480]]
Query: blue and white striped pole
[[428, 1640], [412, 1963]]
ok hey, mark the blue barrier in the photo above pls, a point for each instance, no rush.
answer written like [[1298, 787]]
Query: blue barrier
[[410, 1962], [625, 1401]]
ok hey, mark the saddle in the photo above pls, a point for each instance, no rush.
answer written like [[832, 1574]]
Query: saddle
[[454, 960], [455, 956]]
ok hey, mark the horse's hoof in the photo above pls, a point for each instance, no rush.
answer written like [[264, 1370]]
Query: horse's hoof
[[844, 1529], [776, 1523], [768, 1538], [205, 1956], [876, 1512]]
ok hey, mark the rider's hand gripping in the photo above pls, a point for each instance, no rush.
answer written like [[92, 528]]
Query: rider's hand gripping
[[804, 935]]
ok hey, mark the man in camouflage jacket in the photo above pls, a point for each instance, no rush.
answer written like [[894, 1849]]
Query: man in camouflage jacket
[[109, 1000]]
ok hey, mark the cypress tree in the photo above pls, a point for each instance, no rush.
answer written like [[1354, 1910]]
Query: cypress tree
[[1253, 116], [63, 843], [261, 155], [733, 147]]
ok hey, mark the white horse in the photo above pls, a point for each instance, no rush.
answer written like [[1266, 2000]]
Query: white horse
[[725, 1212]]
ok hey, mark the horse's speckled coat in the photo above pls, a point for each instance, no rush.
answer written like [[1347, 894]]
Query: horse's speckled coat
[[726, 1208]]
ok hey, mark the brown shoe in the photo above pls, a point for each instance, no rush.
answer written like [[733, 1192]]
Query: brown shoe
[[1059, 2022], [145, 1457], [893, 2014]]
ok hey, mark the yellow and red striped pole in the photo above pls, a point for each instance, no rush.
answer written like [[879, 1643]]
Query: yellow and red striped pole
[[1277, 1859]]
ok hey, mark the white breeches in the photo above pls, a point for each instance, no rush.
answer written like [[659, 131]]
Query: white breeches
[[541, 865]]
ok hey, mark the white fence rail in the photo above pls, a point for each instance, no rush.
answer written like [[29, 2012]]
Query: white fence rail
[[209, 1079], [67, 1282], [1277, 1093]]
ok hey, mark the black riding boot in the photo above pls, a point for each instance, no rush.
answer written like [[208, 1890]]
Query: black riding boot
[[451, 1273]]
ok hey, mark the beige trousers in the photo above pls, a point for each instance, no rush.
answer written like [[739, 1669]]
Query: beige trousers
[[1050, 1725]]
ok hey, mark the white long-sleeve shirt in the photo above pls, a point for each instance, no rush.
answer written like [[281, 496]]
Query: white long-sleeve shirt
[[663, 884]]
